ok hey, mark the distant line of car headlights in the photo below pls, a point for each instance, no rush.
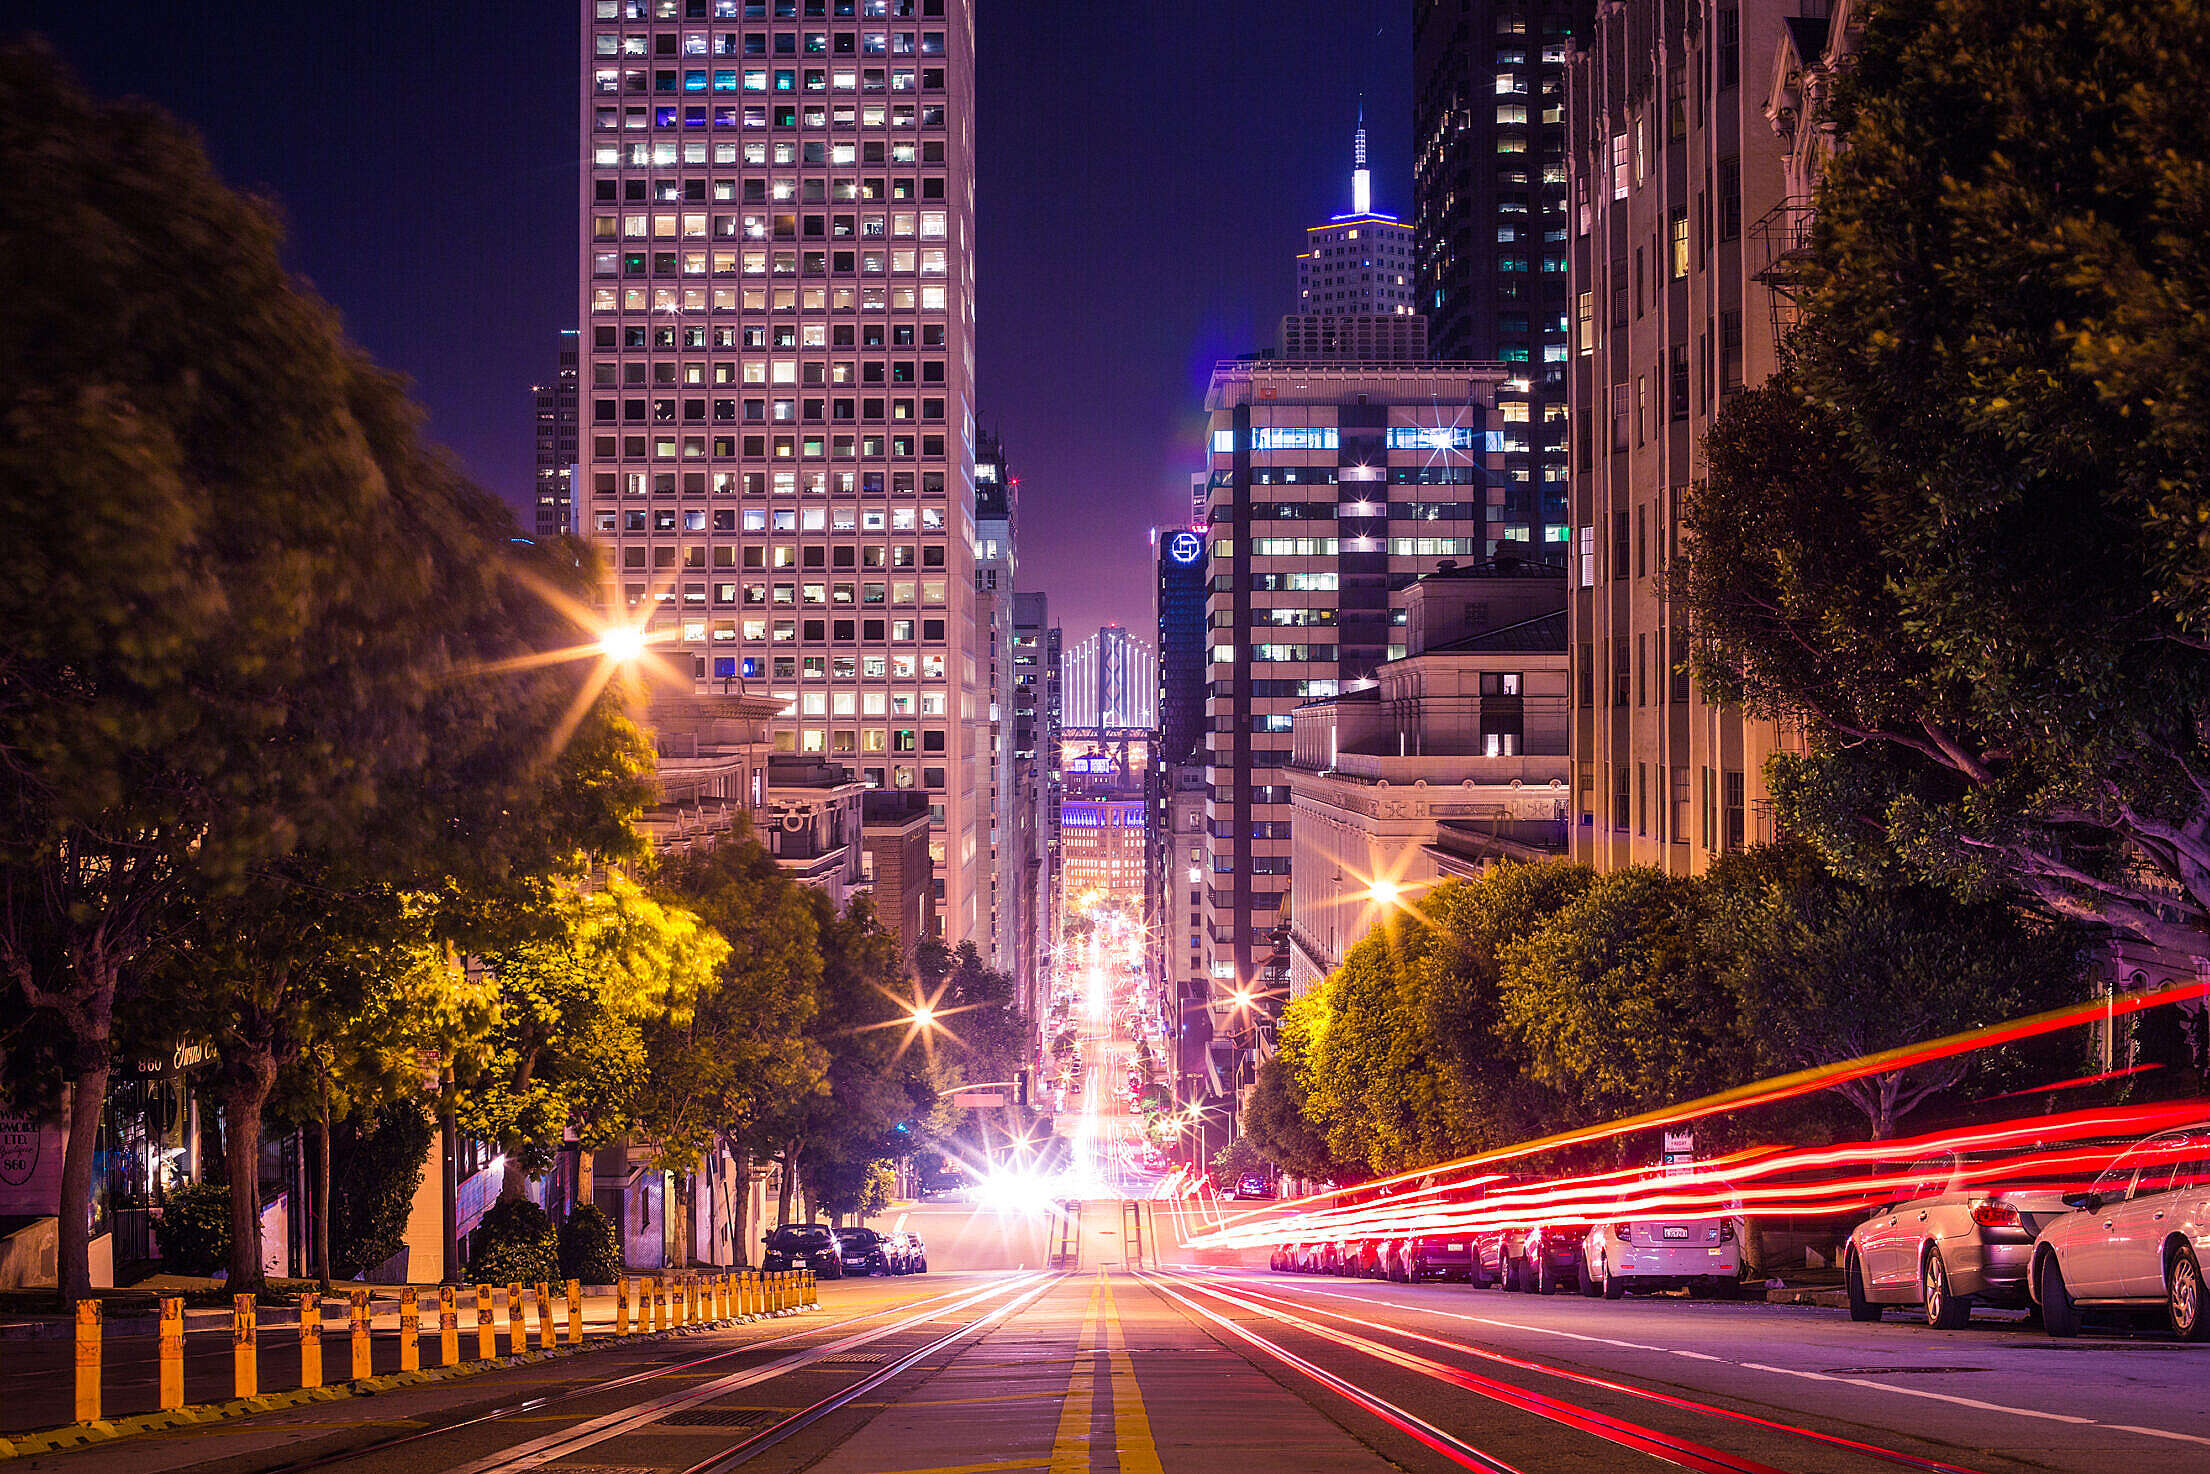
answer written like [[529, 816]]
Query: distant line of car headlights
[[1990, 1218]]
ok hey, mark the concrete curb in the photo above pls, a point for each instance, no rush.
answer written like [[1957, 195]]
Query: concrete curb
[[80, 1435], [1819, 1295]]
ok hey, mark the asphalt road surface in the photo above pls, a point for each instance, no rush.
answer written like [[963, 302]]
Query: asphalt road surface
[[1133, 1358]]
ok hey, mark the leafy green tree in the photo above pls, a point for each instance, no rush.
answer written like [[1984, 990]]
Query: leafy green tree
[[579, 981], [1825, 970], [1617, 1000], [1962, 534], [1488, 1099], [1376, 1084], [251, 615], [726, 1070], [382, 1152]]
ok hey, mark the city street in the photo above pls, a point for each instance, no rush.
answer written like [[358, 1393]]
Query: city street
[[1106, 1366]]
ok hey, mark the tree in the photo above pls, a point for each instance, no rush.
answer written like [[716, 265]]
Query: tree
[[581, 977], [259, 631], [1374, 1081], [1825, 970], [1488, 1100], [1961, 535], [723, 1070], [1617, 999]]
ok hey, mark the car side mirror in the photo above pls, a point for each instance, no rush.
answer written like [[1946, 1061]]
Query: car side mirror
[[2086, 1202]]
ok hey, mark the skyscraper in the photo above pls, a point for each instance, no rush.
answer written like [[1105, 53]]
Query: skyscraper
[[1489, 205], [1332, 487], [1181, 700], [1355, 286], [556, 442], [996, 571], [777, 291]]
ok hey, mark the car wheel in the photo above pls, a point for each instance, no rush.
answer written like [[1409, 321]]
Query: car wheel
[[1944, 1311], [2184, 1300], [1591, 1286], [1615, 1287], [1546, 1275], [2059, 1316], [1861, 1307], [924, 1269]]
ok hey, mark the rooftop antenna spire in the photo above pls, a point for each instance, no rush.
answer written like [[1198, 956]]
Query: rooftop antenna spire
[[1362, 179]]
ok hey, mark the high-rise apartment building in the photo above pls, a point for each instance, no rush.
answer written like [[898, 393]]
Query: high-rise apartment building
[[1034, 820], [1110, 681], [778, 442], [1332, 486], [1359, 264], [556, 443], [1489, 193], [1678, 184]]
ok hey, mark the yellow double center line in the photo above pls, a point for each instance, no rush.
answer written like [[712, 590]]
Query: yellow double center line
[[1137, 1451]]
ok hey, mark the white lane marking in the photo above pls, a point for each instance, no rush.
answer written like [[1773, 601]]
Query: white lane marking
[[1754, 1366]]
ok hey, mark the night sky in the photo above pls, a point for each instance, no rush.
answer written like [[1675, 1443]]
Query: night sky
[[1146, 174]]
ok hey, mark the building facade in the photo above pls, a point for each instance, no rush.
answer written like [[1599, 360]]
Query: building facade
[[1332, 486], [996, 568], [1035, 821], [1489, 194], [1455, 758], [556, 443], [1677, 179], [1181, 698], [1104, 774], [777, 449]]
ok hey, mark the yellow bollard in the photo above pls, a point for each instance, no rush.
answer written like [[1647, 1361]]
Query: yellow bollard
[[170, 1349], [362, 1368], [721, 1295], [813, 1288], [487, 1336], [782, 1292], [575, 1312], [245, 1350], [690, 1299], [545, 1329], [659, 1293], [310, 1340], [448, 1324], [410, 1330], [517, 1321], [621, 1304], [88, 1361]]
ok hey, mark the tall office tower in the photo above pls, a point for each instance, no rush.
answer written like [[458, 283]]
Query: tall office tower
[[1354, 284], [1035, 804], [1181, 699], [1678, 182], [1332, 487], [556, 443], [777, 287], [1111, 682], [996, 569], [1489, 204]]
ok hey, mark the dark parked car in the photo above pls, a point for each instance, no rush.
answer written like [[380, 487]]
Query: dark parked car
[[1361, 1259], [865, 1252], [804, 1246], [1431, 1257]]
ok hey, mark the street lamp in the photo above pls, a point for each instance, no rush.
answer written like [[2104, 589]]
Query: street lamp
[[622, 643], [1385, 892]]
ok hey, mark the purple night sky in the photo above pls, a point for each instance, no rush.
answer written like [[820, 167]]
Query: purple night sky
[[1147, 172]]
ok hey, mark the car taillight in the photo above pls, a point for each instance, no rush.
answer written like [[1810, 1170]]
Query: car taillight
[[1726, 1230], [1624, 1232], [1995, 1213]]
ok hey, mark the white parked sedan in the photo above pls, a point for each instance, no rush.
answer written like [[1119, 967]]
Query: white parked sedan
[[1661, 1254], [2137, 1237]]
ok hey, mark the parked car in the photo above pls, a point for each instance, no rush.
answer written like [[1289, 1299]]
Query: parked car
[[811, 1246], [1361, 1259], [920, 1253], [1539, 1260], [899, 1245], [2136, 1237], [1251, 1185], [1431, 1256], [1661, 1254], [1943, 1244], [865, 1251]]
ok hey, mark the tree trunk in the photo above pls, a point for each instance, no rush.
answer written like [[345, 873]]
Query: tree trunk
[[448, 1186], [73, 1214], [322, 1191], [789, 1183], [245, 1093]]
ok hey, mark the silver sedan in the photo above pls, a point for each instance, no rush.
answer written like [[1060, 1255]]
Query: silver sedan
[[1944, 1244]]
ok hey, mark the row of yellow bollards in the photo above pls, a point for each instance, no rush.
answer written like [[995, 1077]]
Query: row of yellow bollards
[[673, 1303]]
